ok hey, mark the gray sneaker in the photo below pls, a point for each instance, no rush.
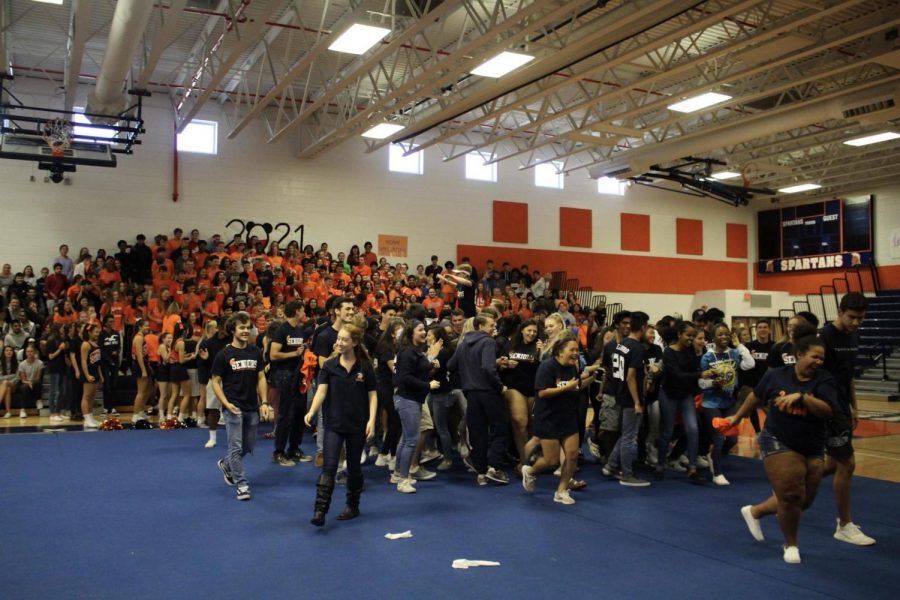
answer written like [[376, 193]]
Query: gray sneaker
[[243, 493], [497, 476], [422, 474], [632, 481]]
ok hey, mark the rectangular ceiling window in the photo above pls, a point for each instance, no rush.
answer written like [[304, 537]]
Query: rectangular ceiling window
[[611, 186], [477, 169], [200, 137], [549, 175], [398, 163]]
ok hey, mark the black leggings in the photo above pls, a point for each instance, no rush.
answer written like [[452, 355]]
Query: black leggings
[[332, 444], [392, 434]]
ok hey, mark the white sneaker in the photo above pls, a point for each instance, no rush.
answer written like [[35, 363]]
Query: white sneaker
[[430, 454], [406, 486], [445, 465], [558, 471], [852, 534], [395, 478], [382, 460], [702, 462], [752, 523], [363, 457], [7, 415], [90, 422], [39, 404], [720, 480], [594, 449], [392, 463], [677, 466], [527, 478], [56, 419], [210, 444], [23, 414], [422, 474], [792, 555], [563, 497]]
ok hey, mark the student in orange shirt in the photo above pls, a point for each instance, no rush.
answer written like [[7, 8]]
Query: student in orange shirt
[[433, 302], [171, 318], [211, 309], [175, 243]]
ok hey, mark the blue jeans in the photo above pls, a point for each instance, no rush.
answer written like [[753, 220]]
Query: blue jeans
[[440, 404], [320, 419], [56, 388], [624, 452], [410, 413], [668, 408], [241, 431], [719, 442]]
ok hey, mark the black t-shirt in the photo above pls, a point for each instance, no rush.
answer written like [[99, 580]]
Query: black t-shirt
[[629, 354], [213, 346], [109, 347], [802, 431], [58, 364], [346, 406], [681, 371], [781, 354], [239, 369], [385, 374], [612, 384], [265, 279], [760, 353], [441, 374], [556, 417], [412, 369], [466, 298], [290, 338], [840, 356], [522, 377], [190, 346], [323, 342], [75, 352]]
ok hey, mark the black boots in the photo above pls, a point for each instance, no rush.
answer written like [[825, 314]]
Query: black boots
[[324, 488], [354, 490]]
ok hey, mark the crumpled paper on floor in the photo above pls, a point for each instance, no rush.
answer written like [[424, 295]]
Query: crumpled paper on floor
[[399, 536], [465, 563]]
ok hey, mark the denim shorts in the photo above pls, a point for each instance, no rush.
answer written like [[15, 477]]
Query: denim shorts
[[769, 445]]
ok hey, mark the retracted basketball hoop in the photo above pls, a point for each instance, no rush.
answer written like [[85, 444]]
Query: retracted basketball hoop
[[58, 135]]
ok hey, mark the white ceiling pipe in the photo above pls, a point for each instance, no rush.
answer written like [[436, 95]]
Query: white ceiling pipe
[[128, 25], [748, 128]]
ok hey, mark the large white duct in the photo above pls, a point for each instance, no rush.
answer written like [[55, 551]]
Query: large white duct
[[128, 24], [880, 103]]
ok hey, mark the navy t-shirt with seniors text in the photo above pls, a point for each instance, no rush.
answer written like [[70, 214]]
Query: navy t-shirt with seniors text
[[239, 369]]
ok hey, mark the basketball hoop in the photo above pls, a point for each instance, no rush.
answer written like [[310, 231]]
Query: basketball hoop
[[58, 135]]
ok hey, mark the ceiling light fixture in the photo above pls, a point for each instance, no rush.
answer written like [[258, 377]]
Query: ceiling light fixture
[[359, 38], [873, 139], [803, 187], [698, 102], [502, 64], [57, 2], [382, 130], [725, 175]]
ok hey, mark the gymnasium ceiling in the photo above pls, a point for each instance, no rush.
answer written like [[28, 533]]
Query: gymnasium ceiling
[[803, 76]]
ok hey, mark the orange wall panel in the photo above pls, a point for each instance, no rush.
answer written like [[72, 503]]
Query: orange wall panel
[[689, 236], [635, 232], [510, 222], [617, 272], [735, 240], [575, 227]]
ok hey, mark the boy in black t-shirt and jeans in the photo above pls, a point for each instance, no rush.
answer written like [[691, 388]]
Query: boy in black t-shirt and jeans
[[237, 381], [841, 339]]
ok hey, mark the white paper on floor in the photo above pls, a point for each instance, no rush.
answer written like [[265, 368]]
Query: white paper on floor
[[399, 536], [465, 563]]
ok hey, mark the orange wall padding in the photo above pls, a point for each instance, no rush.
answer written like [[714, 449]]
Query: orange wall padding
[[689, 236], [510, 222], [735, 240], [575, 227], [635, 232]]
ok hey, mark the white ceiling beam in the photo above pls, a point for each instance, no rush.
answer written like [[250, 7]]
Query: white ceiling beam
[[165, 35], [79, 24]]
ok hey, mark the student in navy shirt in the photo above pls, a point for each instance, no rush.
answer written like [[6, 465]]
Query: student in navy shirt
[[349, 401], [558, 384], [800, 397], [239, 383], [628, 369], [841, 339]]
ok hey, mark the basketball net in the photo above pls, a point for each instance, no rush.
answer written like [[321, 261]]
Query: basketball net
[[58, 135]]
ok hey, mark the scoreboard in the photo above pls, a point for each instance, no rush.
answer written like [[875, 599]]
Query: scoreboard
[[831, 234]]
